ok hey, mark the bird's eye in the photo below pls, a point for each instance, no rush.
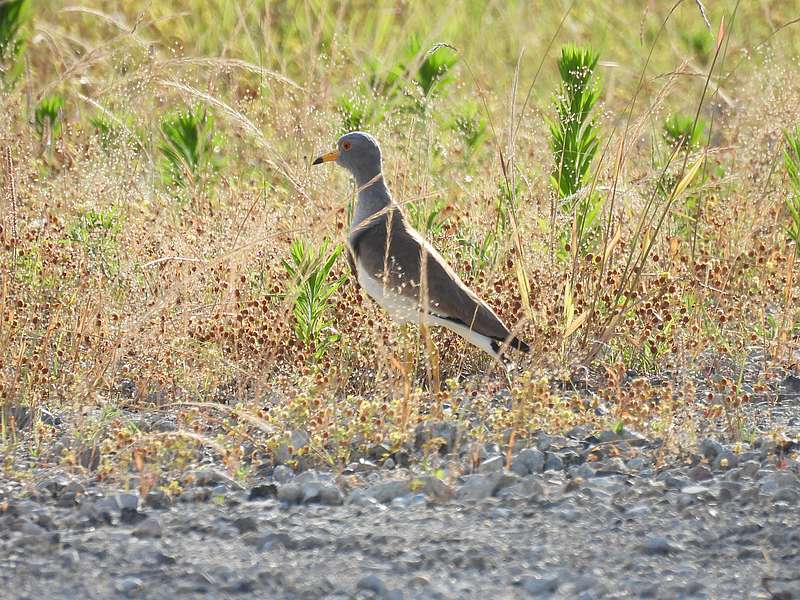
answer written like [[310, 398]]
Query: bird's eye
[[346, 146]]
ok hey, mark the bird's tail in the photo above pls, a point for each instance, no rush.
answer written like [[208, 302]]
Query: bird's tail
[[518, 344]]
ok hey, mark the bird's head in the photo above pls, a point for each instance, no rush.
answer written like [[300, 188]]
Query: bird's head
[[359, 153]]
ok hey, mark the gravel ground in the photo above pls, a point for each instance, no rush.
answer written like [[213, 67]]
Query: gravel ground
[[573, 516]]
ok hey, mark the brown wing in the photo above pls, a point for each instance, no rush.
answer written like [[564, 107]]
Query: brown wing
[[392, 251]]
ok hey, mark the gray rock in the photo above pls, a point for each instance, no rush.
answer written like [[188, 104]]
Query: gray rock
[[127, 501], [157, 499], [544, 441], [787, 495], [387, 491], [246, 524], [749, 468], [491, 465], [372, 583], [553, 462], [529, 460], [129, 585], [700, 473], [436, 489], [149, 528], [659, 546], [282, 474], [263, 491], [725, 460], [710, 448], [478, 487], [388, 463], [540, 586], [447, 433], [330, 494], [291, 493]]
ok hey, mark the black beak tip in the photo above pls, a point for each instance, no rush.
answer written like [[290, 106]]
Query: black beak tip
[[317, 161]]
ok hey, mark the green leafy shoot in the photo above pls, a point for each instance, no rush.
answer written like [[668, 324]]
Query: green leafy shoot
[[48, 117], [189, 148], [96, 231], [311, 292], [791, 160], [433, 72], [428, 218], [471, 125], [13, 16], [573, 138], [680, 129]]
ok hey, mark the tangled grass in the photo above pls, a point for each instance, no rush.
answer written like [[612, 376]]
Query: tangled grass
[[156, 175]]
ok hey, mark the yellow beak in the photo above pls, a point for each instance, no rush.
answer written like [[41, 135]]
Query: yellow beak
[[333, 155]]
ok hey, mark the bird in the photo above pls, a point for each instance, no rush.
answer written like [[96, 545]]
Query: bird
[[399, 269]]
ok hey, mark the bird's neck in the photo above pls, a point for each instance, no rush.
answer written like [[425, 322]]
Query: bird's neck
[[373, 197]]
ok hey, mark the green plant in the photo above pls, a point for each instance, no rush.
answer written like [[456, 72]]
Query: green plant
[[13, 16], [430, 219], [791, 159], [311, 292], [96, 232], [189, 148], [573, 136], [681, 129], [471, 125], [433, 72], [48, 117]]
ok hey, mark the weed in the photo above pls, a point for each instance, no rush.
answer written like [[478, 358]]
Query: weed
[[48, 117], [13, 16], [573, 138], [96, 231], [189, 148], [311, 293], [681, 130], [791, 160]]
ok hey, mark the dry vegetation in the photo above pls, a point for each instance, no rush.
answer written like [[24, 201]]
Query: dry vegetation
[[145, 277]]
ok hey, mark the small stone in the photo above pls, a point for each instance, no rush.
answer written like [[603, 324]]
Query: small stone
[[710, 448], [700, 473], [749, 468], [553, 462], [209, 477], [387, 491], [263, 491], [695, 490], [246, 524], [372, 583], [311, 491], [127, 501], [539, 586], [787, 495], [585, 471], [291, 493], [157, 499], [447, 435], [129, 585], [607, 435], [388, 463], [544, 441], [330, 495], [478, 487], [725, 460], [436, 489], [659, 546], [491, 465], [529, 460], [282, 474], [149, 528]]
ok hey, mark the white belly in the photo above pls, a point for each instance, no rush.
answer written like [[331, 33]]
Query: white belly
[[407, 310], [400, 308]]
